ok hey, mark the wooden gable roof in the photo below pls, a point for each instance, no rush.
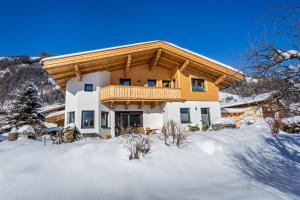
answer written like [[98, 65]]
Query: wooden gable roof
[[156, 53]]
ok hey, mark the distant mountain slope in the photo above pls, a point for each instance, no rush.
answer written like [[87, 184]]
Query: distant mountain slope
[[16, 70]]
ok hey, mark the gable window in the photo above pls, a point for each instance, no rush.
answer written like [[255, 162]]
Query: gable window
[[71, 117], [185, 115], [87, 119], [151, 83], [125, 81], [174, 83], [166, 84], [198, 85], [88, 87], [104, 119]]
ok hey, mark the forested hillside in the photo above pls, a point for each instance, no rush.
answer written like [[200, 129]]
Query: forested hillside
[[16, 70]]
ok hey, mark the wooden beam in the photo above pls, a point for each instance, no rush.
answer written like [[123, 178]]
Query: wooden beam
[[154, 104], [128, 63], [141, 104], [220, 79], [127, 104], [77, 72], [155, 60], [112, 105], [184, 65]]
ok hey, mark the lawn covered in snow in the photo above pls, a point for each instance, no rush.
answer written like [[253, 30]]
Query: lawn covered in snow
[[246, 163]]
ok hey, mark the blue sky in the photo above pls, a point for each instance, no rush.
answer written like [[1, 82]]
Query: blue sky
[[217, 29]]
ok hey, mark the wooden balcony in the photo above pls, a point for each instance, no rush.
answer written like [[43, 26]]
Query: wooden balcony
[[119, 93]]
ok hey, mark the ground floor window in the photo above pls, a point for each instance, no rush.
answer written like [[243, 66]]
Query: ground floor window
[[104, 119], [205, 116], [185, 115], [71, 117], [87, 120]]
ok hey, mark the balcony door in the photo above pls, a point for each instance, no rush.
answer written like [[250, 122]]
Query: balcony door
[[130, 119]]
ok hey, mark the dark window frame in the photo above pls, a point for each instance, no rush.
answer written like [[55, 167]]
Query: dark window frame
[[88, 127], [189, 116], [166, 81], [149, 80], [68, 117], [122, 80], [208, 113], [88, 85], [197, 88], [106, 125]]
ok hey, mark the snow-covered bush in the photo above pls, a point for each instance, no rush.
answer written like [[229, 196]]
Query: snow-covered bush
[[223, 122], [291, 124], [174, 134], [26, 130], [194, 128], [137, 145], [275, 124]]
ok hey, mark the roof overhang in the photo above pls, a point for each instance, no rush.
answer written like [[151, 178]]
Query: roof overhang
[[63, 68]]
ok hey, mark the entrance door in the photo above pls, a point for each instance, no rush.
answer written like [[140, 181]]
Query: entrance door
[[130, 119], [205, 116]]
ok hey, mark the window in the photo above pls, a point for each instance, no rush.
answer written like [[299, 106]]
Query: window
[[197, 85], [205, 116], [71, 117], [185, 115], [88, 87], [174, 83], [166, 84], [87, 120], [124, 81], [104, 119], [151, 83]]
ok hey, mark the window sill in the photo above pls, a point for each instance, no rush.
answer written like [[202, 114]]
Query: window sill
[[105, 127]]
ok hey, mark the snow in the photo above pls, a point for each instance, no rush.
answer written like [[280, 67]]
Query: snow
[[8, 126], [247, 100], [122, 46], [246, 163], [26, 129], [292, 120], [225, 120], [232, 110], [289, 54], [54, 114], [49, 124]]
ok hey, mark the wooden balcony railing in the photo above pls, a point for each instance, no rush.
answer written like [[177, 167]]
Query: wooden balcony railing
[[138, 93]]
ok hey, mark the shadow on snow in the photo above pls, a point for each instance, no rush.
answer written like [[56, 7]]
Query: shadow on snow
[[277, 165]]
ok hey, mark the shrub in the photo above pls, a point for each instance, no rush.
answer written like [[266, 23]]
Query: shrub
[[137, 145], [174, 134], [194, 128]]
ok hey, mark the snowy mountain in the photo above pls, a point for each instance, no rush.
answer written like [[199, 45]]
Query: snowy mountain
[[16, 70]]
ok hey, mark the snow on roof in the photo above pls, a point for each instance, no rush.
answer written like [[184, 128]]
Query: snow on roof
[[51, 107], [232, 110], [134, 44], [247, 100], [54, 114]]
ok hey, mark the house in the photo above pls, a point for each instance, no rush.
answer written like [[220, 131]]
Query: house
[[139, 85], [54, 114], [250, 109]]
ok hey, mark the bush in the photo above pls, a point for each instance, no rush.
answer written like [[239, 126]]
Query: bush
[[137, 145], [222, 123], [174, 134], [275, 124], [194, 128]]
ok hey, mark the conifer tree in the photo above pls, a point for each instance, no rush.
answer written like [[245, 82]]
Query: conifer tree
[[24, 109]]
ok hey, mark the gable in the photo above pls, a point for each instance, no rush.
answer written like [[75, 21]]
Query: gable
[[151, 54]]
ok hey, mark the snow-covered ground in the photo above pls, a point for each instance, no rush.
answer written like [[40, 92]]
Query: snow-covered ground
[[246, 163]]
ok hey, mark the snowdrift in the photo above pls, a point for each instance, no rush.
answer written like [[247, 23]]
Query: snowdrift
[[245, 163]]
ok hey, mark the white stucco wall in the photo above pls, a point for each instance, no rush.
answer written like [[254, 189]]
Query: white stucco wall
[[78, 100], [171, 111]]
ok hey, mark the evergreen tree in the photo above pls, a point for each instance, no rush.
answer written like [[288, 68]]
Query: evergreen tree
[[24, 109]]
